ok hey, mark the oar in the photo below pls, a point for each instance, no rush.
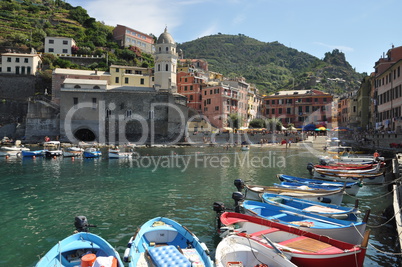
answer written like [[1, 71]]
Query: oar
[[278, 251], [309, 217]]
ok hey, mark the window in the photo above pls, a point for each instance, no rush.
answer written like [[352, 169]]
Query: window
[[51, 41], [77, 86], [25, 60], [280, 111], [116, 80], [9, 59], [51, 50], [185, 88], [96, 87], [128, 113], [17, 59], [288, 110], [216, 107], [142, 81], [117, 70], [191, 97], [65, 42], [159, 67], [273, 101], [191, 88], [108, 113], [94, 103], [126, 80], [8, 69], [167, 67], [75, 102], [65, 51]]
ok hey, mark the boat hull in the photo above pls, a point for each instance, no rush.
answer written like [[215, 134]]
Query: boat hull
[[72, 246], [161, 237], [351, 188], [253, 192], [346, 231], [366, 179], [303, 248], [243, 250]]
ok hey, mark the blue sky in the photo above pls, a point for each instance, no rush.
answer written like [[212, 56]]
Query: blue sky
[[362, 29]]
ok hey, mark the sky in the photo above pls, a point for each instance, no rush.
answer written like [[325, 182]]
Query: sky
[[362, 29]]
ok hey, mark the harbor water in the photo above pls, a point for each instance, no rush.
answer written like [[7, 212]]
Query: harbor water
[[40, 197]]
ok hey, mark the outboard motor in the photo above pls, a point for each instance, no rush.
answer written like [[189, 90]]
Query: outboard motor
[[323, 162], [239, 184], [237, 196], [219, 208], [310, 167], [81, 224]]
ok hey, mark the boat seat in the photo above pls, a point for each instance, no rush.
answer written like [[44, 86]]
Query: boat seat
[[264, 232], [168, 256], [161, 234], [306, 244]]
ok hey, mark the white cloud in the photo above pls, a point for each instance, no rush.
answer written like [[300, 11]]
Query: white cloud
[[148, 16], [339, 47]]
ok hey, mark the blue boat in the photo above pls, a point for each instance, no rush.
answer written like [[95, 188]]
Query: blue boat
[[319, 208], [164, 242], [351, 188], [81, 249], [32, 153], [92, 153], [346, 231]]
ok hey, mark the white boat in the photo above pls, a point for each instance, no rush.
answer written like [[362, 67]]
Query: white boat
[[52, 149], [238, 250], [13, 150], [68, 153], [116, 154], [366, 178], [4, 154], [245, 148]]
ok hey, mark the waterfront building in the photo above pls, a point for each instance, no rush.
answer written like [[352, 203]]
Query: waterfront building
[[364, 103], [20, 64], [131, 76], [126, 37], [59, 45], [299, 107], [388, 91], [347, 110], [101, 109]]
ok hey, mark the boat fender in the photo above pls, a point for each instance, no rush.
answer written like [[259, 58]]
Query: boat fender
[[130, 242], [126, 257], [205, 248]]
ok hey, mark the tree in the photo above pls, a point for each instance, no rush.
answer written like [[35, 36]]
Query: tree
[[257, 123], [233, 121]]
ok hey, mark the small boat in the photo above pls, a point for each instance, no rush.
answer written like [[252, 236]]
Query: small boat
[[92, 152], [367, 178], [52, 149], [4, 154], [344, 170], [319, 208], [236, 250], [346, 231], [351, 188], [254, 192], [33, 153], [81, 249], [305, 249], [245, 148], [13, 150], [116, 154], [162, 240], [73, 152]]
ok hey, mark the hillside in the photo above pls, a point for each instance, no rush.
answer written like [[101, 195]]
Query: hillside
[[273, 66]]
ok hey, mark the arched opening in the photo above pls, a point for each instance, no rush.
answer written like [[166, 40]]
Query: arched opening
[[85, 135]]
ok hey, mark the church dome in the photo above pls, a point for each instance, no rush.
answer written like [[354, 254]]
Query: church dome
[[165, 38]]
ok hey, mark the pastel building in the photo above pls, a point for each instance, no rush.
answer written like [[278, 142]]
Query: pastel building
[[299, 107], [388, 91], [126, 37], [20, 64], [59, 45]]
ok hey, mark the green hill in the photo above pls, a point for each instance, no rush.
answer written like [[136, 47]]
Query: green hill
[[273, 66]]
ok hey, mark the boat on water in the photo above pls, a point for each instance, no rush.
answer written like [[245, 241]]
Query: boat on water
[[245, 148], [4, 154], [13, 150], [305, 249], [81, 249], [343, 230], [160, 241], [351, 188], [237, 250], [53, 149], [319, 208], [366, 178], [116, 154], [374, 168], [33, 153], [254, 192], [73, 152], [92, 152]]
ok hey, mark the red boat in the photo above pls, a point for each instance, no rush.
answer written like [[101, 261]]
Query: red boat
[[303, 248], [347, 167]]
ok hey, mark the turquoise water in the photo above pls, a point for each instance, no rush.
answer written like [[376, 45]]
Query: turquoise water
[[41, 197]]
